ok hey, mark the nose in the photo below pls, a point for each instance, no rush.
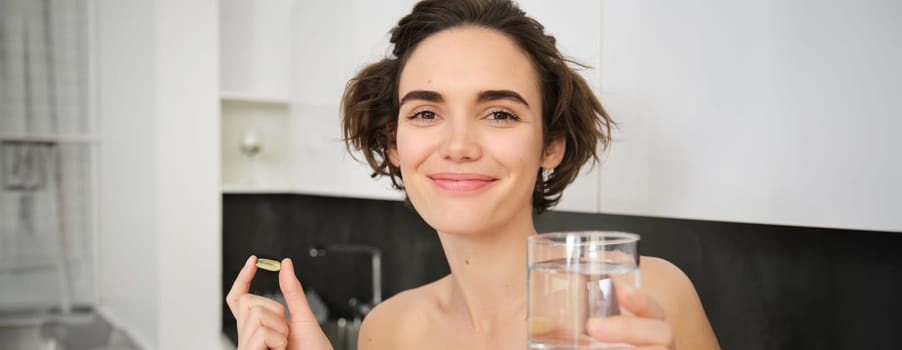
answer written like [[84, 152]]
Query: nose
[[460, 140]]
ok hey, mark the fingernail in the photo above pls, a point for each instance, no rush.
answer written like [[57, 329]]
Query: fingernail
[[249, 261], [287, 261]]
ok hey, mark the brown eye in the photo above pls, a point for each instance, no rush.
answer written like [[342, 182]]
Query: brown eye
[[429, 115], [502, 116]]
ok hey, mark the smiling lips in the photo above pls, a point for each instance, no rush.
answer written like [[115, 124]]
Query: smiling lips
[[460, 182]]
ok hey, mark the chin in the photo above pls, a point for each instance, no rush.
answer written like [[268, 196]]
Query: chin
[[456, 225], [466, 218], [456, 217]]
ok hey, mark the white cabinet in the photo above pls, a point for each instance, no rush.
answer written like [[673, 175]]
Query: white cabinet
[[255, 52], [255, 85], [331, 42], [284, 67], [266, 122], [756, 111]]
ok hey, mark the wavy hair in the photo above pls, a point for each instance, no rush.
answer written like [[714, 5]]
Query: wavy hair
[[570, 110]]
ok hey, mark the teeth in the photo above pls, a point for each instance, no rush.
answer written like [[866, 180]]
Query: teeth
[[269, 265]]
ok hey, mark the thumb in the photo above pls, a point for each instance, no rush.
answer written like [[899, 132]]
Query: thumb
[[294, 294], [304, 332]]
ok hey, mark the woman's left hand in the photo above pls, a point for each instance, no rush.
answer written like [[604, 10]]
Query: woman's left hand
[[646, 328]]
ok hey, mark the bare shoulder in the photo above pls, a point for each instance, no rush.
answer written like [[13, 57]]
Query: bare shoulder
[[662, 277], [669, 286], [398, 321]]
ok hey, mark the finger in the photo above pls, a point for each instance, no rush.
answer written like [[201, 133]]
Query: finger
[[637, 302], [298, 308], [630, 330], [261, 317], [304, 332], [264, 338], [242, 284], [248, 301]]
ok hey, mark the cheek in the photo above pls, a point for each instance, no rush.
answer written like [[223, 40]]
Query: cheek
[[412, 147], [519, 151]]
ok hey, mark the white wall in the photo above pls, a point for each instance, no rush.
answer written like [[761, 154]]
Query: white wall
[[128, 250], [190, 204], [755, 111], [578, 36], [160, 240]]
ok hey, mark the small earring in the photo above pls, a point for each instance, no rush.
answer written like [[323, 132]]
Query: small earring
[[546, 174]]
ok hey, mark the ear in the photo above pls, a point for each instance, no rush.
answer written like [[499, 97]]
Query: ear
[[392, 152], [554, 153]]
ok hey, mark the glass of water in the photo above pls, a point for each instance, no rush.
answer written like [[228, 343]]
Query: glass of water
[[572, 277]]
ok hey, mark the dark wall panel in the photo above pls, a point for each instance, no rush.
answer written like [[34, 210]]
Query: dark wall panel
[[763, 286]]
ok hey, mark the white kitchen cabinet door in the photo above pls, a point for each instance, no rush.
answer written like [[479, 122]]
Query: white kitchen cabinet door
[[255, 84], [755, 111], [331, 42], [254, 51]]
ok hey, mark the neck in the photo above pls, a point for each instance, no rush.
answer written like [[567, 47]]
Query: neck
[[488, 274]]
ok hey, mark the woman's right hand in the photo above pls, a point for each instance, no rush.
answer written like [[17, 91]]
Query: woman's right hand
[[261, 321]]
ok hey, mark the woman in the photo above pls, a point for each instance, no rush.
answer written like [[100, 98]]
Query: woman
[[479, 119]]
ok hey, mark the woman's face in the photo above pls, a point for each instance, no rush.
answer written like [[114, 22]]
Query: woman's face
[[469, 141]]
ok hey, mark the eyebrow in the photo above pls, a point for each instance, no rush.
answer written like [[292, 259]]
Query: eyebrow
[[430, 96], [493, 95], [484, 96]]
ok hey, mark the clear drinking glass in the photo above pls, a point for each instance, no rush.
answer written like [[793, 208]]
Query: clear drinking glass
[[571, 278]]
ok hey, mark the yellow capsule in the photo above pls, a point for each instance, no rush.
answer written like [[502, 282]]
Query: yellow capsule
[[269, 265]]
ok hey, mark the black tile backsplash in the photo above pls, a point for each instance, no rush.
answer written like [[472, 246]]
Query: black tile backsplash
[[763, 286], [278, 226]]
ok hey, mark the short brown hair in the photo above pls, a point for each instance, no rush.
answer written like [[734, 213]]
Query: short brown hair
[[570, 110]]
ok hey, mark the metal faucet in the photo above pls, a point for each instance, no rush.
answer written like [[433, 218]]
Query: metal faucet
[[376, 254]]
